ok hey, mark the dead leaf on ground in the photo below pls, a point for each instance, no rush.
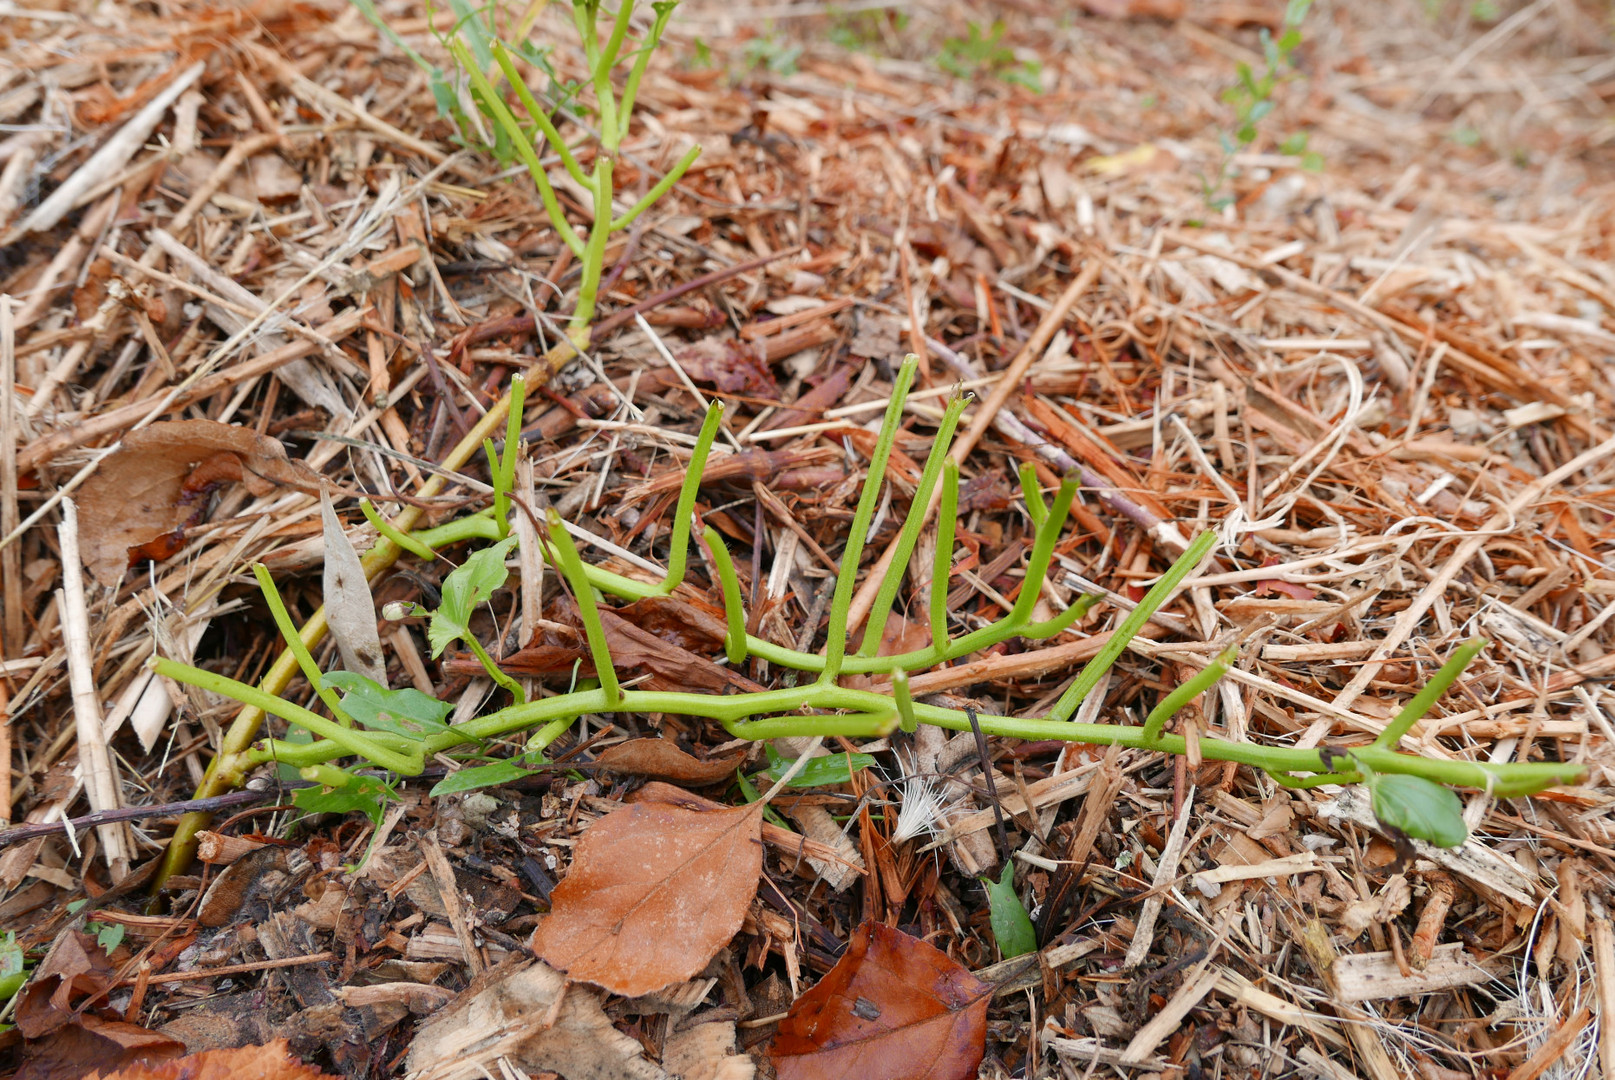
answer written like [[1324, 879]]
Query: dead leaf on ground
[[350, 609], [90, 1043], [527, 1013], [893, 1008], [729, 365], [707, 1052], [159, 481], [654, 892], [75, 969], [661, 759], [272, 1062]]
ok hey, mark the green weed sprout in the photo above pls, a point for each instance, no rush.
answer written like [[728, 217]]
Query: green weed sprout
[[1407, 789], [613, 112]]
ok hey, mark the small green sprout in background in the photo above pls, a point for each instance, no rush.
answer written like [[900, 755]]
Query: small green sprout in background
[[1252, 97], [986, 54], [768, 52]]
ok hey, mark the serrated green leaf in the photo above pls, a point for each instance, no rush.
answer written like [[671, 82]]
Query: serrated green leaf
[[405, 712], [833, 769], [1012, 927], [1423, 809], [469, 584], [480, 776]]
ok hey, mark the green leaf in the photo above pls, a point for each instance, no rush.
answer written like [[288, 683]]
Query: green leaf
[[365, 794], [405, 712], [108, 935], [1294, 145], [1421, 808], [1012, 927], [13, 966], [469, 584], [819, 772], [480, 776], [750, 794]]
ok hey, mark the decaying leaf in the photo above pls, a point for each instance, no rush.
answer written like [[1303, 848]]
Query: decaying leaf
[[272, 1062], [661, 759], [528, 1014], [349, 608], [707, 1052], [159, 480], [654, 892], [893, 1008], [90, 1042]]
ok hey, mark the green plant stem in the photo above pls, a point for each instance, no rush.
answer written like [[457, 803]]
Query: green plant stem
[[409, 543], [942, 561], [1431, 692], [593, 259], [1180, 696], [494, 671], [305, 658], [571, 568], [905, 702], [539, 114], [835, 647], [734, 642], [1036, 508], [1158, 595], [875, 623], [660, 188], [678, 551]]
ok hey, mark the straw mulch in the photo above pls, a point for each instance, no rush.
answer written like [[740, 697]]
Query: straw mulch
[[1387, 382]]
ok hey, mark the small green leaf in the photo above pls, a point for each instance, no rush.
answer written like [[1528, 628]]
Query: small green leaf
[[363, 793], [1421, 808], [480, 776], [405, 712], [108, 935], [1012, 927], [819, 772], [13, 966], [750, 794], [469, 584]]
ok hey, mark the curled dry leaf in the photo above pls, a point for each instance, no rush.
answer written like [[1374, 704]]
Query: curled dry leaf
[[349, 607], [654, 892], [661, 759], [90, 1043], [527, 1014], [143, 495], [893, 1008], [272, 1062]]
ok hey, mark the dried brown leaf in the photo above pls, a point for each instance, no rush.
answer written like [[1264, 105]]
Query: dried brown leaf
[[654, 892], [159, 480], [90, 1043], [661, 759], [528, 1014], [893, 1008], [349, 607], [272, 1062]]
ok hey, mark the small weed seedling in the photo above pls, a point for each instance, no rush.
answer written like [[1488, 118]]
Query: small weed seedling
[[1252, 99], [986, 54], [374, 728]]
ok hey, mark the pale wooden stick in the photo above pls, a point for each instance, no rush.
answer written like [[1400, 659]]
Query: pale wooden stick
[[10, 557], [95, 762]]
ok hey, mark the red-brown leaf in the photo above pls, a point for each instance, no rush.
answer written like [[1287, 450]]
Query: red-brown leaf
[[654, 892], [665, 761], [273, 1062], [893, 1008]]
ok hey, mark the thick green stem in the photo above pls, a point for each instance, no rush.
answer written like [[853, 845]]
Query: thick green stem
[[942, 561], [494, 672], [305, 658], [1180, 696], [678, 551], [539, 114], [571, 568], [835, 648], [734, 643], [409, 543], [1426, 698]]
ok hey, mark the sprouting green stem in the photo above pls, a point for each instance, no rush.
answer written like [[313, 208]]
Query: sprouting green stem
[[524, 147], [904, 701], [678, 552], [942, 561], [1180, 696], [409, 543], [1431, 692], [571, 568], [1037, 564], [835, 648], [593, 257], [1036, 508], [734, 643], [494, 671], [636, 72], [875, 625], [288, 631], [539, 114], [503, 466], [660, 188], [349, 740], [1158, 595]]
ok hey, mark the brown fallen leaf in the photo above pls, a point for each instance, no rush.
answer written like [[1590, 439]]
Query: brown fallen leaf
[[528, 1014], [89, 1043], [159, 480], [661, 759], [730, 365], [76, 968], [654, 892], [893, 1008], [272, 1062]]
